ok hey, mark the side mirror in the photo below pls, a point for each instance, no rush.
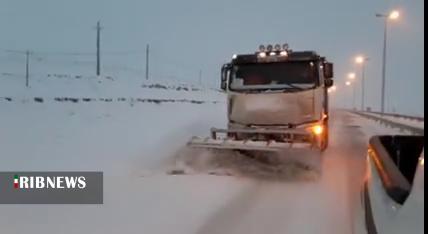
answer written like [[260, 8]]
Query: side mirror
[[328, 70], [224, 73], [328, 82]]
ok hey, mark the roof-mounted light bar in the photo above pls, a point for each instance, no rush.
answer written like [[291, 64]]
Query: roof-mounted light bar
[[283, 53], [271, 50], [285, 47]]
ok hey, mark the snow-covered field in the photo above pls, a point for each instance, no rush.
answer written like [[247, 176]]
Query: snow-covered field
[[154, 186], [49, 86]]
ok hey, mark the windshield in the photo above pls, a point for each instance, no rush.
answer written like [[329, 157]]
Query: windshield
[[265, 76]]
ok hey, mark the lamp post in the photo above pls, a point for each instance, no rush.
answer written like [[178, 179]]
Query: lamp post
[[361, 60], [351, 77], [349, 83], [393, 15]]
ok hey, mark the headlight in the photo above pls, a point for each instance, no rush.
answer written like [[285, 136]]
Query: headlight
[[318, 129], [283, 53]]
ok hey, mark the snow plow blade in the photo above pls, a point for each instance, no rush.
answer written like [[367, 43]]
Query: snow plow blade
[[198, 142], [214, 142]]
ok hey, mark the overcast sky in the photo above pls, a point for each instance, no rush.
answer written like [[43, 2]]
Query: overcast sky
[[191, 35]]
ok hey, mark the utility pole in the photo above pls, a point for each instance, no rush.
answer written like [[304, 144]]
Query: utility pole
[[27, 54], [147, 61], [98, 48], [27, 69]]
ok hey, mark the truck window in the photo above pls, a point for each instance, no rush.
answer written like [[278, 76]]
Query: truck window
[[404, 152], [274, 75]]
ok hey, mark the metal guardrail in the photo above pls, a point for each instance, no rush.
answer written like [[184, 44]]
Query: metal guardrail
[[387, 122], [418, 118]]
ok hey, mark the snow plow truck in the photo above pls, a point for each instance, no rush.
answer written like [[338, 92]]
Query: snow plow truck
[[277, 99]]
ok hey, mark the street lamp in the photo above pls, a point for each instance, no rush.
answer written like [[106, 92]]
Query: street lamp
[[393, 15], [349, 83], [361, 60], [351, 76]]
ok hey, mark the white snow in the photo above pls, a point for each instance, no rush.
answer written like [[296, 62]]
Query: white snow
[[52, 85], [153, 185]]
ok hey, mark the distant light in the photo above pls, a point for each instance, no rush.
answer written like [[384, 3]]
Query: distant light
[[351, 75], [422, 161], [234, 56], [348, 83], [272, 53], [284, 53], [333, 88], [394, 15], [359, 59], [277, 47], [262, 54]]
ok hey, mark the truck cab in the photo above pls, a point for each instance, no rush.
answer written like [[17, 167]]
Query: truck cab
[[279, 89]]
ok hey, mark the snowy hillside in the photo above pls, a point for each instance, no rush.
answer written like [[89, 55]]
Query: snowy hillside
[[50, 86]]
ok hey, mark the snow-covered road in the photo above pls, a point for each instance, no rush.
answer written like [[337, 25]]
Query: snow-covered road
[[135, 145], [313, 206]]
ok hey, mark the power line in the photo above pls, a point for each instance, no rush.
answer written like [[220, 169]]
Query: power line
[[167, 61]]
